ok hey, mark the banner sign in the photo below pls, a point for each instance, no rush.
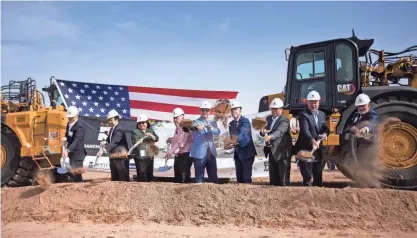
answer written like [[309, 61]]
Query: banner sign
[[225, 167]]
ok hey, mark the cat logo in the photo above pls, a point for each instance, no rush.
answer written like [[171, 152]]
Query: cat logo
[[347, 89]]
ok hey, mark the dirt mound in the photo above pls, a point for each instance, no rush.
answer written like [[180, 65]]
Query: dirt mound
[[193, 204]]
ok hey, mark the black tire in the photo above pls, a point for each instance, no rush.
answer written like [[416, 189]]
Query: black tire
[[347, 156], [12, 156], [393, 106], [23, 175]]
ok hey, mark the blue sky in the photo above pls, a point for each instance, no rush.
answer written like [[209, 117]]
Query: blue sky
[[198, 45]]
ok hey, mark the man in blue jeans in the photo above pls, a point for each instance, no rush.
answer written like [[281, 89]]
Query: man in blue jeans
[[203, 150]]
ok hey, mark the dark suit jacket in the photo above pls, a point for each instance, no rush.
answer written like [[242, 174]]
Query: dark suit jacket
[[75, 146], [309, 130], [281, 143], [369, 120], [243, 130], [118, 139]]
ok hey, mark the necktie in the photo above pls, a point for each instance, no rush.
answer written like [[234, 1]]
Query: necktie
[[111, 132]]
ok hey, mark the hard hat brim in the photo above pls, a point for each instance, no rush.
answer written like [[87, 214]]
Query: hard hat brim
[[361, 104], [71, 115]]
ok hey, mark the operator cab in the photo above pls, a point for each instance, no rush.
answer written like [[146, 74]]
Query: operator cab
[[17, 96], [330, 68]]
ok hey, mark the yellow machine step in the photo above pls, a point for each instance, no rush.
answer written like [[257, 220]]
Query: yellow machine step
[[43, 157]]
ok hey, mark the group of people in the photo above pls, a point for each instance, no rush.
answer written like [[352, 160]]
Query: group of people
[[196, 145]]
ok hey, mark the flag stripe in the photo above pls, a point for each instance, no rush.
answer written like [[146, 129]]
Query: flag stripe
[[129, 101], [185, 92], [156, 115], [162, 107], [177, 100]]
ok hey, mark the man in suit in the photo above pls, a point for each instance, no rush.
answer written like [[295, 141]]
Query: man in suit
[[279, 145], [116, 142], [74, 135], [313, 127], [203, 150], [365, 119], [245, 152]]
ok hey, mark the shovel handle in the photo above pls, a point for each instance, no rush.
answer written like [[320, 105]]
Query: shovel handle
[[140, 141]]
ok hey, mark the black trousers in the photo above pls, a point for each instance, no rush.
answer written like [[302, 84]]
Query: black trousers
[[279, 170], [144, 169], [244, 169], [182, 168], [77, 164], [119, 169], [312, 170]]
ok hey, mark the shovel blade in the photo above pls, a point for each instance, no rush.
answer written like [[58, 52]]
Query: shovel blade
[[163, 169], [305, 156]]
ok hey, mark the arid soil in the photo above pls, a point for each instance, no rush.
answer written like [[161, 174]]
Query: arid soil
[[100, 208]]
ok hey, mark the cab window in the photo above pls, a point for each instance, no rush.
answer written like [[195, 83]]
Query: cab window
[[344, 63], [319, 86], [310, 65]]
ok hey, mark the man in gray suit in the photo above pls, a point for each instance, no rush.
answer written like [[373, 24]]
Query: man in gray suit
[[278, 147]]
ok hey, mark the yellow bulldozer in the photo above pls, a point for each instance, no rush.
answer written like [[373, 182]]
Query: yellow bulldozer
[[339, 70], [30, 131]]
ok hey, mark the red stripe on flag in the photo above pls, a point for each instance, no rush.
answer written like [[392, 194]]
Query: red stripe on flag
[[185, 92], [163, 107]]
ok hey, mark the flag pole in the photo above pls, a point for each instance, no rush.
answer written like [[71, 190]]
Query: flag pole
[[59, 91]]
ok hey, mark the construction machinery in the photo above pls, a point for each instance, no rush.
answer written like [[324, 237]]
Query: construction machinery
[[30, 131], [339, 70]]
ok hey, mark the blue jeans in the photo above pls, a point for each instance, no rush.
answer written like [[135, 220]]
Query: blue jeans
[[210, 165]]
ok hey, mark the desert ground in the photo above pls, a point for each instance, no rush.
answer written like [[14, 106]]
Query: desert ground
[[100, 208]]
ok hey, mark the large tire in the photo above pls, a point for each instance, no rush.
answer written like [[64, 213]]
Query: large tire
[[405, 136], [10, 157], [23, 175]]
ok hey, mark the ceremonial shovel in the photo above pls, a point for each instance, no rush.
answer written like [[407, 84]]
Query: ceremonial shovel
[[307, 156]]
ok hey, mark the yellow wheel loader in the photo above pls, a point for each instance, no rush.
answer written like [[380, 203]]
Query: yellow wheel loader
[[339, 70], [30, 131]]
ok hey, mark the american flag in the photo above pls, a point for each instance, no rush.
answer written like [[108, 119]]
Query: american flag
[[96, 100]]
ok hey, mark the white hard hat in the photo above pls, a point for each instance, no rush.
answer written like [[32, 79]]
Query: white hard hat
[[142, 117], [205, 105], [177, 112], [362, 99], [276, 103], [72, 111], [112, 113], [235, 104], [313, 95]]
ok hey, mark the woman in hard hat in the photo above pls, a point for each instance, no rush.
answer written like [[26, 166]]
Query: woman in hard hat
[[203, 150], [313, 129], [180, 147], [144, 160], [74, 135], [364, 115]]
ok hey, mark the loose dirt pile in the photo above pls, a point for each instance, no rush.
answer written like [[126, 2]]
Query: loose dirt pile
[[209, 204]]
